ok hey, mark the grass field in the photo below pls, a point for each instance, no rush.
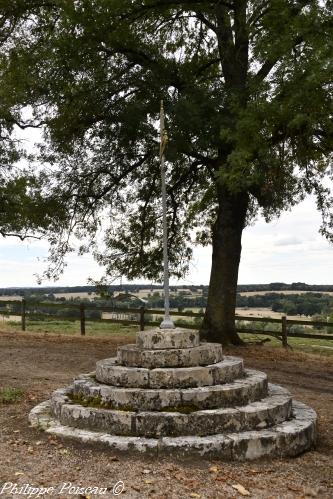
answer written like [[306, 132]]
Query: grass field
[[286, 292], [143, 293], [103, 329], [310, 345], [72, 328], [256, 312]]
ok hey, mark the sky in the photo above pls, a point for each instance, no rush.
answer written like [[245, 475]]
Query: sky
[[289, 249]]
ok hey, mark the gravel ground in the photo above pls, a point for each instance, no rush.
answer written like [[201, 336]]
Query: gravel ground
[[38, 364]]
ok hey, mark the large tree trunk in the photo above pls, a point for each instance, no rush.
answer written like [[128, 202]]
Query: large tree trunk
[[219, 321]]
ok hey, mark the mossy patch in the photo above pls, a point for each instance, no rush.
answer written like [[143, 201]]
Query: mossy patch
[[9, 395], [183, 409], [99, 403]]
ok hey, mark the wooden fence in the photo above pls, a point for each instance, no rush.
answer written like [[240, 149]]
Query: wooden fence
[[28, 311]]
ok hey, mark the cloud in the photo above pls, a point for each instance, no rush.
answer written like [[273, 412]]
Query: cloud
[[288, 249], [289, 241]]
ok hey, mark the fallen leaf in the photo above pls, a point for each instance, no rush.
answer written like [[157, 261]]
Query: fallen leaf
[[180, 476], [170, 468], [242, 490], [148, 482], [193, 483], [213, 469], [194, 494], [294, 488]]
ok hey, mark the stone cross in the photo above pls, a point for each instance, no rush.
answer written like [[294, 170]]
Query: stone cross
[[167, 321]]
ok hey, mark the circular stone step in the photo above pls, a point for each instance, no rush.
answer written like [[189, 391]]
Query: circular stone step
[[269, 411], [158, 339], [202, 355], [110, 373], [239, 392], [289, 438]]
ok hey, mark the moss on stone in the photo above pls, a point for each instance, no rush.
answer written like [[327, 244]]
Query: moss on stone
[[183, 409], [97, 403]]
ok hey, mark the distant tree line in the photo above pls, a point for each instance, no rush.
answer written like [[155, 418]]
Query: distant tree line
[[308, 304], [135, 288], [281, 286], [291, 304]]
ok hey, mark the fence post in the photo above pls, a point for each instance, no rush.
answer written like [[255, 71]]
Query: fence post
[[82, 319], [284, 331], [142, 318], [23, 307]]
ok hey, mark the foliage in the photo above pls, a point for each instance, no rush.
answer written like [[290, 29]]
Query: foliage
[[318, 305], [48, 292], [25, 207], [290, 304], [247, 91], [9, 395]]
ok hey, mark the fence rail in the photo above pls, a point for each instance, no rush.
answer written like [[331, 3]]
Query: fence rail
[[28, 311]]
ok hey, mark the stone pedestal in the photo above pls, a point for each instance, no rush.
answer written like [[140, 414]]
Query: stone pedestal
[[171, 394]]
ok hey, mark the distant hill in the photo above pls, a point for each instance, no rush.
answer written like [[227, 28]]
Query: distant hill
[[133, 288]]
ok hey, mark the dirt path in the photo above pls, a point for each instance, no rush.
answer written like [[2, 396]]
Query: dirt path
[[39, 364]]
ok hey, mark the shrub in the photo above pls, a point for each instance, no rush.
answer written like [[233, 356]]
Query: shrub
[[9, 395]]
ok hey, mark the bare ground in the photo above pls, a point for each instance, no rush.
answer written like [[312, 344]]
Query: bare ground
[[39, 364]]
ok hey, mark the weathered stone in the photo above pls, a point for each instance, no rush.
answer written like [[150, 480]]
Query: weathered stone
[[41, 417], [286, 439], [228, 370], [225, 371], [240, 392], [267, 412], [270, 411], [126, 444], [215, 446], [115, 422], [180, 377], [202, 355], [108, 372], [182, 401], [160, 339]]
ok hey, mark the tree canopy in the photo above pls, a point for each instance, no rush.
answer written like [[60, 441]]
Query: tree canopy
[[247, 89], [25, 208]]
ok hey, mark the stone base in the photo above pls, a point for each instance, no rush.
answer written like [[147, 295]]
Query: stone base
[[162, 339], [238, 392], [203, 355], [110, 373], [273, 409], [289, 438], [170, 394]]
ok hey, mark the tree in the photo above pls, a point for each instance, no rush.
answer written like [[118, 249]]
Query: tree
[[25, 209], [247, 88]]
